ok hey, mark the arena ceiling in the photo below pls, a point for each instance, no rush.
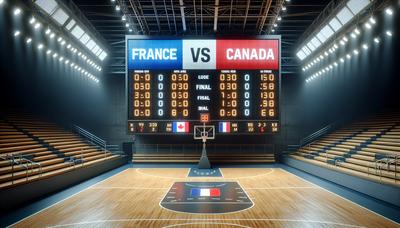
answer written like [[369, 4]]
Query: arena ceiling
[[200, 18]]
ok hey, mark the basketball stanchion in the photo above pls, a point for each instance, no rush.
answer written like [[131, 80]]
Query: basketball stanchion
[[204, 132]]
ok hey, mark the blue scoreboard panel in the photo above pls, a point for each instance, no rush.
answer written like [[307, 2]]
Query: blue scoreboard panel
[[170, 83]]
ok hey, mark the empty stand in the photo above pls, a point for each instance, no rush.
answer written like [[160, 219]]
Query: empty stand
[[217, 153], [31, 149], [369, 148]]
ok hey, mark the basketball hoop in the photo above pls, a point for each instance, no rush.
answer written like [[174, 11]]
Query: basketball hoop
[[204, 132]]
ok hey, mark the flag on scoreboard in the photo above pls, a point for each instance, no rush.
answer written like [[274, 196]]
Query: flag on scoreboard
[[180, 127], [199, 192], [224, 127]]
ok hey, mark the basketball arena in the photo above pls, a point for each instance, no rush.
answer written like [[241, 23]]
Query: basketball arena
[[199, 113]]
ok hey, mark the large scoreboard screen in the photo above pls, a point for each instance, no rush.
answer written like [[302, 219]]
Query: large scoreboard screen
[[171, 83]]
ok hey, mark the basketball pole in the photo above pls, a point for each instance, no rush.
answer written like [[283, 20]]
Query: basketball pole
[[204, 163]]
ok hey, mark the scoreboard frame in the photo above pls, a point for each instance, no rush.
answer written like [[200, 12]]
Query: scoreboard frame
[[226, 37]]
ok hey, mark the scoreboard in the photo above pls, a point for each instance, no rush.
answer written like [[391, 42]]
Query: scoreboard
[[171, 83]]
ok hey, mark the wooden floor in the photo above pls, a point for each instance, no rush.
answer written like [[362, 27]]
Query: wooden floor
[[131, 199]]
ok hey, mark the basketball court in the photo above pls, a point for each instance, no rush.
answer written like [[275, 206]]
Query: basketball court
[[132, 198]]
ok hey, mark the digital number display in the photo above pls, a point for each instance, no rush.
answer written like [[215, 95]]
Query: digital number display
[[167, 93]]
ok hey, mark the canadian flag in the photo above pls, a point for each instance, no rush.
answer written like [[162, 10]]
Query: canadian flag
[[180, 126]]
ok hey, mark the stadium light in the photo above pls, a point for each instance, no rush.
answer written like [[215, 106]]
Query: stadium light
[[17, 11], [368, 25], [372, 20], [48, 31], [32, 20], [389, 33], [376, 40], [283, 8], [52, 35], [28, 40], [389, 11], [17, 33], [1, 2], [355, 52], [117, 8], [279, 18], [123, 18], [48, 52], [40, 46], [37, 25]]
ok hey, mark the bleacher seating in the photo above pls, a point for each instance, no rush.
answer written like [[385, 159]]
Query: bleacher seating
[[369, 148], [217, 153], [31, 149]]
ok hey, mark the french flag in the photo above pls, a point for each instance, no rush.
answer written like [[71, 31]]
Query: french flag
[[180, 127], [224, 127], [201, 192]]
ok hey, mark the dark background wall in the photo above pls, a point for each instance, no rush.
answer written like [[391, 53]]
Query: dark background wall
[[30, 82]]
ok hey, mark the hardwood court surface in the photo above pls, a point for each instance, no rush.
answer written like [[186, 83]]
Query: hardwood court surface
[[131, 199]]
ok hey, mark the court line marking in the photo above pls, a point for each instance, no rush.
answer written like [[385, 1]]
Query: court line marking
[[172, 219], [204, 223], [271, 170], [132, 188], [272, 188], [339, 196], [182, 212], [67, 198]]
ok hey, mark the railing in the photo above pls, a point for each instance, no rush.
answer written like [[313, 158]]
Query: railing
[[92, 138], [211, 148], [384, 163], [22, 161], [101, 143]]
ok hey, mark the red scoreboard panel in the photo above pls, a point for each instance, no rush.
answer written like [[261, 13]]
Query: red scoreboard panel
[[171, 82]]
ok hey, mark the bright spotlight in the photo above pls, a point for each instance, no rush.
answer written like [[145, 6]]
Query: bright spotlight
[[37, 25], [127, 25], [348, 56], [353, 35], [365, 46], [52, 35], [32, 20], [355, 52], [284, 8], [335, 63], [17, 33], [279, 18], [48, 52], [273, 30], [372, 20], [29, 40], [130, 30], [376, 40], [389, 33], [342, 60], [17, 11], [1, 2], [389, 11], [55, 55], [357, 31], [275, 25], [40, 46], [117, 8], [368, 25], [124, 18]]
